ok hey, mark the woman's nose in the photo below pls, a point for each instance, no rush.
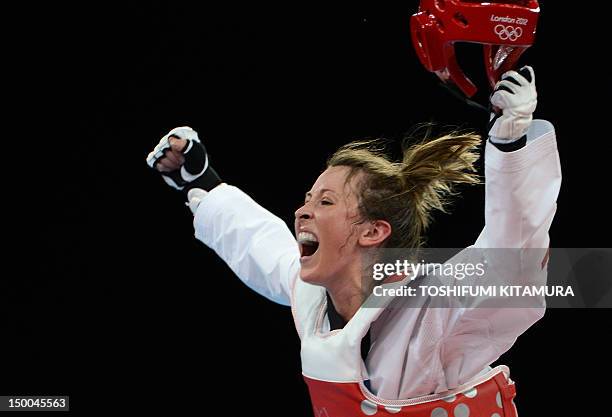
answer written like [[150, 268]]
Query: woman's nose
[[303, 213]]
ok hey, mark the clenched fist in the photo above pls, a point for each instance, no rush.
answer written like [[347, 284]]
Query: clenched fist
[[182, 160]]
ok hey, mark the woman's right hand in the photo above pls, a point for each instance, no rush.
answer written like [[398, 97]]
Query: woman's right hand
[[182, 160], [173, 158]]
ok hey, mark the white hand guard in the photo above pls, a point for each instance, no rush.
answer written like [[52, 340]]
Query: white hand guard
[[515, 99]]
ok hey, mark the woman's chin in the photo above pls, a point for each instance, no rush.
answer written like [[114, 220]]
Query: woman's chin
[[307, 277], [310, 276]]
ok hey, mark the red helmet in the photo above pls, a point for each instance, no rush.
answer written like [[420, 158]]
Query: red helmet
[[506, 28]]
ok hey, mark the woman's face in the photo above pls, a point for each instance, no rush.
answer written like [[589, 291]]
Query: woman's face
[[327, 228]]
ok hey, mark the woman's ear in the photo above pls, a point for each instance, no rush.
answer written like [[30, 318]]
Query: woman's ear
[[374, 233]]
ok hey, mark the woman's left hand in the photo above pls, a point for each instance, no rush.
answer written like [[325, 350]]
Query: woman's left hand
[[514, 100]]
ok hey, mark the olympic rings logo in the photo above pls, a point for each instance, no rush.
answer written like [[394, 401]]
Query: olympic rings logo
[[508, 32]]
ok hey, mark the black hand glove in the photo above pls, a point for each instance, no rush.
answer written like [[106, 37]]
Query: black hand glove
[[195, 171]]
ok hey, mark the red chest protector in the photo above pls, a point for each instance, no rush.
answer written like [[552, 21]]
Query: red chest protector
[[491, 398], [335, 372]]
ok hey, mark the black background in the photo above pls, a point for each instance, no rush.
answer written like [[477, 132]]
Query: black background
[[108, 298]]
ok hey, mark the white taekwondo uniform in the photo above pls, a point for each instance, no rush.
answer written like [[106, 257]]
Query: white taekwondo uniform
[[421, 360]]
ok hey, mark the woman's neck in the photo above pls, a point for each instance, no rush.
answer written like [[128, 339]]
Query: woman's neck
[[347, 299]]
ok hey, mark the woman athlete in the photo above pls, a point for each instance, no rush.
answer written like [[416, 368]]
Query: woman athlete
[[417, 361]]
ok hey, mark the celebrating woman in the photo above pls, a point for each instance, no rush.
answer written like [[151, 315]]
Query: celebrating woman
[[358, 360]]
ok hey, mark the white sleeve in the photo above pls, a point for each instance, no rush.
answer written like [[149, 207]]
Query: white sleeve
[[256, 244], [521, 192]]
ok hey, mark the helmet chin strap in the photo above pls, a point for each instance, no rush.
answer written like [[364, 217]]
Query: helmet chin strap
[[456, 92]]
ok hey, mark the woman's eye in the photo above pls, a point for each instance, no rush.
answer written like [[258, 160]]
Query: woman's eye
[[326, 203]]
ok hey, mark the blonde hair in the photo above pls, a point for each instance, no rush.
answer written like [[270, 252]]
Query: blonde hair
[[405, 193]]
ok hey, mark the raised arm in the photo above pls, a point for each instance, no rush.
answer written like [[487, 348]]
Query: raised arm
[[523, 179], [522, 169], [257, 245]]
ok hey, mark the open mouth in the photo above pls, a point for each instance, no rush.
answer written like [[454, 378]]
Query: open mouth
[[308, 244]]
